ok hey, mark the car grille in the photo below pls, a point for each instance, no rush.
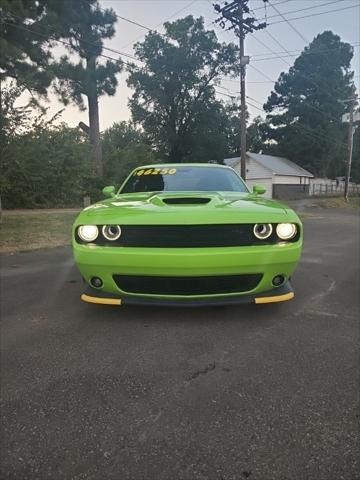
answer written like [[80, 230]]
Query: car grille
[[203, 285], [187, 236]]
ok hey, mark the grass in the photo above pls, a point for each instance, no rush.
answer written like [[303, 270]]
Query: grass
[[335, 202], [34, 230]]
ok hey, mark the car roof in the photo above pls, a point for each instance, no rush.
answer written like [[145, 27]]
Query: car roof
[[169, 165]]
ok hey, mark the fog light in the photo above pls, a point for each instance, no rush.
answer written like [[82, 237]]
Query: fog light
[[278, 280], [96, 282]]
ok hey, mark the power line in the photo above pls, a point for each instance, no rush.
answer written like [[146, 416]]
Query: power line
[[288, 22], [237, 13], [278, 3], [61, 41], [124, 18], [270, 50], [251, 66], [261, 73], [266, 81], [233, 97], [278, 55], [159, 24], [290, 53], [299, 10], [237, 83], [308, 79], [322, 52], [278, 43], [315, 14]]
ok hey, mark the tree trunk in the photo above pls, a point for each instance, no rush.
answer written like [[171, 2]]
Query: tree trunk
[[94, 133], [175, 154]]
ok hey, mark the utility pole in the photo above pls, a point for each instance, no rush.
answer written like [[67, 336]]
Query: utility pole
[[242, 96], [234, 13], [352, 102]]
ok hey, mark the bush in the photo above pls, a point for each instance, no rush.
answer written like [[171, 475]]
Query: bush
[[45, 167]]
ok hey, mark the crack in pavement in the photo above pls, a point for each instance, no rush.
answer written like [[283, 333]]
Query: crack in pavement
[[203, 371]]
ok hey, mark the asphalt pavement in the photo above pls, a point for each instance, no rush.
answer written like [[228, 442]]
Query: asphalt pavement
[[255, 392]]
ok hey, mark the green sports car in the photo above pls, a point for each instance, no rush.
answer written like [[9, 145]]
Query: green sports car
[[186, 234]]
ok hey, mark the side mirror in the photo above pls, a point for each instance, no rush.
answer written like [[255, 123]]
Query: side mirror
[[259, 190], [109, 191]]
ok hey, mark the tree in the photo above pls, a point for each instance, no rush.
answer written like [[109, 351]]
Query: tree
[[174, 95], [306, 105], [25, 44], [212, 133], [45, 166], [12, 118], [85, 25], [256, 133], [125, 147]]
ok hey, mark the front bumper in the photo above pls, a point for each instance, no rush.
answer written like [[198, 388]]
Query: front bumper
[[281, 294], [267, 260]]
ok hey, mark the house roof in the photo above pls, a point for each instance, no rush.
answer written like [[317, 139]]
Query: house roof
[[277, 165]]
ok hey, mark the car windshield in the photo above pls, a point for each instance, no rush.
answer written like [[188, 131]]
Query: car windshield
[[184, 179]]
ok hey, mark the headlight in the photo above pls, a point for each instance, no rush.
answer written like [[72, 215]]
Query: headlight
[[262, 231], [286, 231], [111, 232], [88, 233]]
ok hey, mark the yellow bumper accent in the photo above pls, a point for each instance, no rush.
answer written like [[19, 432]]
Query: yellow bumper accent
[[99, 300], [278, 298]]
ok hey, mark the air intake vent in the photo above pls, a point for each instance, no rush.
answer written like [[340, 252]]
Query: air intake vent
[[154, 285], [186, 201]]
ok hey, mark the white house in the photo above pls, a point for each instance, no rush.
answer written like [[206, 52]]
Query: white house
[[281, 177]]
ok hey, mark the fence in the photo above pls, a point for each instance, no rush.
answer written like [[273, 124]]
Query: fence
[[333, 189], [284, 191]]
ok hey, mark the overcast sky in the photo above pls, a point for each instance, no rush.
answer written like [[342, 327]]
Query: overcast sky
[[152, 13]]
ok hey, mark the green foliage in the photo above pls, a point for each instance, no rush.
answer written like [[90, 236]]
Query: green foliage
[[174, 96], [12, 118], [124, 148], [44, 167], [85, 25], [306, 106], [25, 55], [255, 135]]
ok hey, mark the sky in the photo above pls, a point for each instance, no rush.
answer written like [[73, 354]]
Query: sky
[[261, 72]]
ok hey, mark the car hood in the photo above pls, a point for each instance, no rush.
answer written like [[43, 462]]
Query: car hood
[[176, 208]]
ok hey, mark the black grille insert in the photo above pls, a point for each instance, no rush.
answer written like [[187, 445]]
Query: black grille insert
[[186, 201], [203, 285], [188, 236]]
